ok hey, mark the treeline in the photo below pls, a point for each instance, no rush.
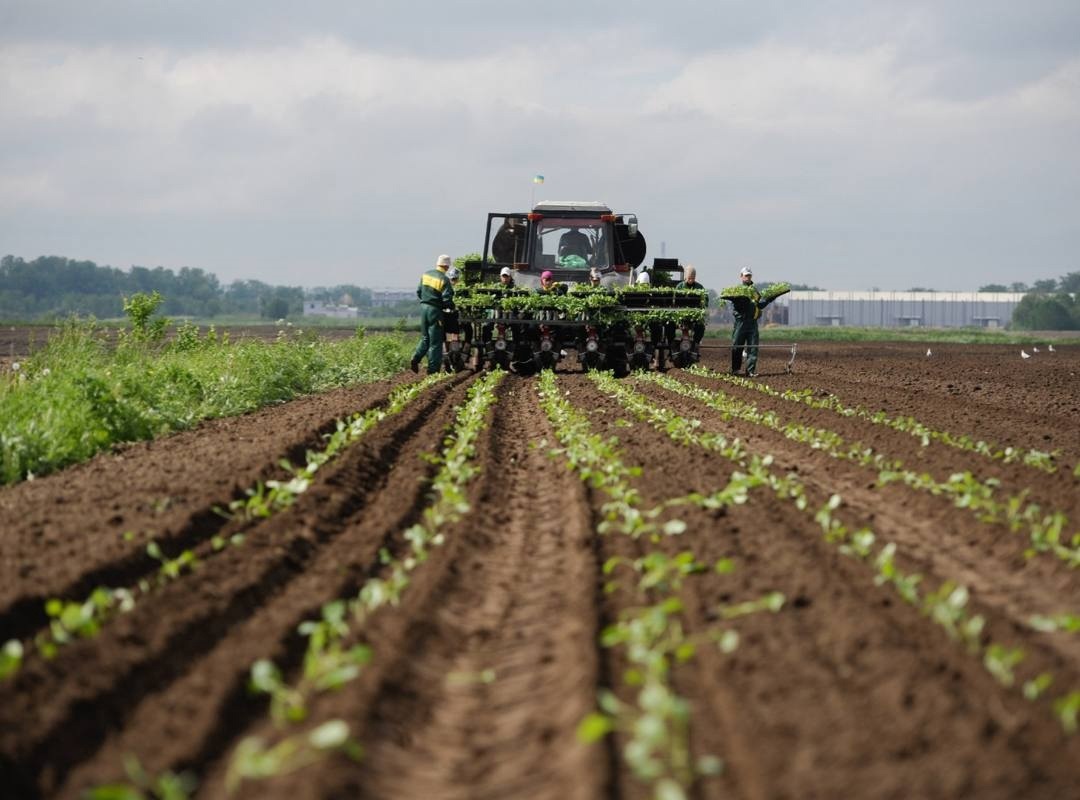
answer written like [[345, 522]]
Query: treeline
[[1048, 305], [51, 287]]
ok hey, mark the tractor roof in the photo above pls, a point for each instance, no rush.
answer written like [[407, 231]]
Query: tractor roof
[[557, 206]]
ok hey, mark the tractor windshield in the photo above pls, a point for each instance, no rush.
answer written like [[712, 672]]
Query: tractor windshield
[[573, 243]]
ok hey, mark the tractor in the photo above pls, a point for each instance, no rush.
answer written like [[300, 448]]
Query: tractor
[[567, 277]]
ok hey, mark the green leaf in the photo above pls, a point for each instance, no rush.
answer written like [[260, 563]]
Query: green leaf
[[674, 527], [668, 789], [114, 791], [594, 727], [329, 735]]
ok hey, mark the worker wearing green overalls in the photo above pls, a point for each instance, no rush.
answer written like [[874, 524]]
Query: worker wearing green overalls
[[746, 311], [436, 295]]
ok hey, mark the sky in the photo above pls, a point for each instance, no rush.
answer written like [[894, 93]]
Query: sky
[[843, 144]]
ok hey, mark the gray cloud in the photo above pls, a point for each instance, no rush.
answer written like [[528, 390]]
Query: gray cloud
[[911, 144]]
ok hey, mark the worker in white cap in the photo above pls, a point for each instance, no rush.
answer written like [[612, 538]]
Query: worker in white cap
[[746, 310], [506, 277], [436, 294]]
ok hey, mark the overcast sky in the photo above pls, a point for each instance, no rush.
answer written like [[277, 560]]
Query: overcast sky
[[844, 144]]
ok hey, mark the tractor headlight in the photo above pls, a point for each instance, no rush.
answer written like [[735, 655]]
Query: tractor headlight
[[639, 347], [591, 345], [684, 345], [545, 345], [500, 344]]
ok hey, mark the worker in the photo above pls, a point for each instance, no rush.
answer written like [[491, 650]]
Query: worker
[[745, 334], [594, 278], [643, 278], [575, 243], [548, 284], [506, 281], [436, 295], [690, 281]]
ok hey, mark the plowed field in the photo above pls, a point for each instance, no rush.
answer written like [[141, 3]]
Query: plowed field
[[863, 681]]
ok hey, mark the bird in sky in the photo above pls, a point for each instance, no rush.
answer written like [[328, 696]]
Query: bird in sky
[[1024, 355]]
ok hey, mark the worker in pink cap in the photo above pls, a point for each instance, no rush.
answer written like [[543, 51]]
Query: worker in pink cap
[[548, 284]]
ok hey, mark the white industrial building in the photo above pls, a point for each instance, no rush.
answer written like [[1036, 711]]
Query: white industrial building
[[317, 308], [902, 309]]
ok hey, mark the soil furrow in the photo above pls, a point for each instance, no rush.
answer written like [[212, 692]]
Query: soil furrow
[[932, 722], [94, 687], [500, 667], [987, 391], [934, 537], [164, 489], [1056, 491]]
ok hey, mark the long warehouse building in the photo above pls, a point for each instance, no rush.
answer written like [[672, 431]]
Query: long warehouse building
[[902, 309]]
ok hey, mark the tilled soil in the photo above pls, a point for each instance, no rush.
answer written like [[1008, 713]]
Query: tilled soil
[[480, 676]]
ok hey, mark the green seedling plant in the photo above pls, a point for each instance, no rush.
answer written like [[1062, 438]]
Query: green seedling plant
[[70, 620], [1068, 623], [11, 657], [141, 785], [946, 605], [255, 760]]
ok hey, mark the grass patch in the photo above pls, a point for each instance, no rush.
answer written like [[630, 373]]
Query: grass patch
[[79, 394]]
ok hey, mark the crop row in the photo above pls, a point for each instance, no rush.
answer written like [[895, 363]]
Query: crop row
[[1046, 528], [73, 619], [1036, 459], [656, 722], [334, 653], [946, 605]]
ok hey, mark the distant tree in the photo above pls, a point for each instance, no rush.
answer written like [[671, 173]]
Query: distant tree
[[281, 302], [994, 287], [1040, 312], [803, 287], [1070, 282], [1046, 286], [1018, 286], [921, 289]]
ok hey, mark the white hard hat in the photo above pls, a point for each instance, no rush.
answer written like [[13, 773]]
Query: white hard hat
[[444, 261], [746, 271], [505, 271]]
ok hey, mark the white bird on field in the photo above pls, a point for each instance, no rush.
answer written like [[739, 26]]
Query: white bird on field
[[1050, 347], [1034, 349], [1024, 355], [928, 353]]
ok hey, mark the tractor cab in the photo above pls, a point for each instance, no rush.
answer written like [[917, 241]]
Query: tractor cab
[[568, 239]]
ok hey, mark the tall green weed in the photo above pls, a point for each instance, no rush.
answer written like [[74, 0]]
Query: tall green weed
[[79, 395]]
